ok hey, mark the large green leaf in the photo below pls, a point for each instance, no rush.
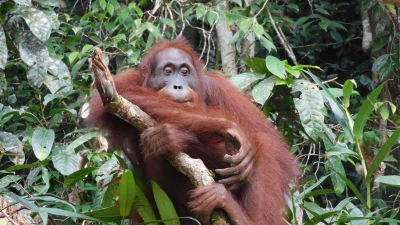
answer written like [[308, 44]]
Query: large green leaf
[[309, 106], [58, 80], [257, 65], [364, 113], [35, 54], [243, 80], [337, 108], [65, 161], [42, 142], [391, 180], [276, 66], [110, 214], [164, 205], [263, 90], [127, 193], [338, 183], [82, 139], [13, 146], [37, 21], [143, 207]]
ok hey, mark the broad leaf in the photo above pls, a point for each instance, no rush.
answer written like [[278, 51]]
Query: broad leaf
[[164, 205], [309, 106], [35, 54], [257, 65], [263, 90], [13, 147], [37, 21], [82, 139], [42, 142], [127, 193], [243, 80], [58, 80], [258, 30], [276, 66], [143, 207], [338, 183], [65, 161], [391, 180]]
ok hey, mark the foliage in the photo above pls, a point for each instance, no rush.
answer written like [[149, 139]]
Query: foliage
[[50, 165]]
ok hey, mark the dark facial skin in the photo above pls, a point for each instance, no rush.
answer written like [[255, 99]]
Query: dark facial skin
[[174, 75]]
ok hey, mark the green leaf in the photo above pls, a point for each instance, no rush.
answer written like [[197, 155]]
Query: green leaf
[[82, 139], [257, 65], [347, 91], [338, 183], [77, 176], [58, 79], [313, 207], [62, 212], [168, 22], [164, 205], [110, 8], [238, 2], [269, 45], [263, 90], [103, 4], [3, 48], [301, 21], [321, 10], [65, 161], [309, 189], [391, 180], [35, 54], [211, 17], [54, 3], [338, 150], [42, 142], [243, 80], [384, 113], [11, 144], [337, 108], [276, 66], [127, 193], [143, 207], [382, 153], [309, 106], [37, 21], [46, 180], [51, 199], [110, 214], [200, 11], [380, 62], [364, 113], [258, 30], [246, 24]]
